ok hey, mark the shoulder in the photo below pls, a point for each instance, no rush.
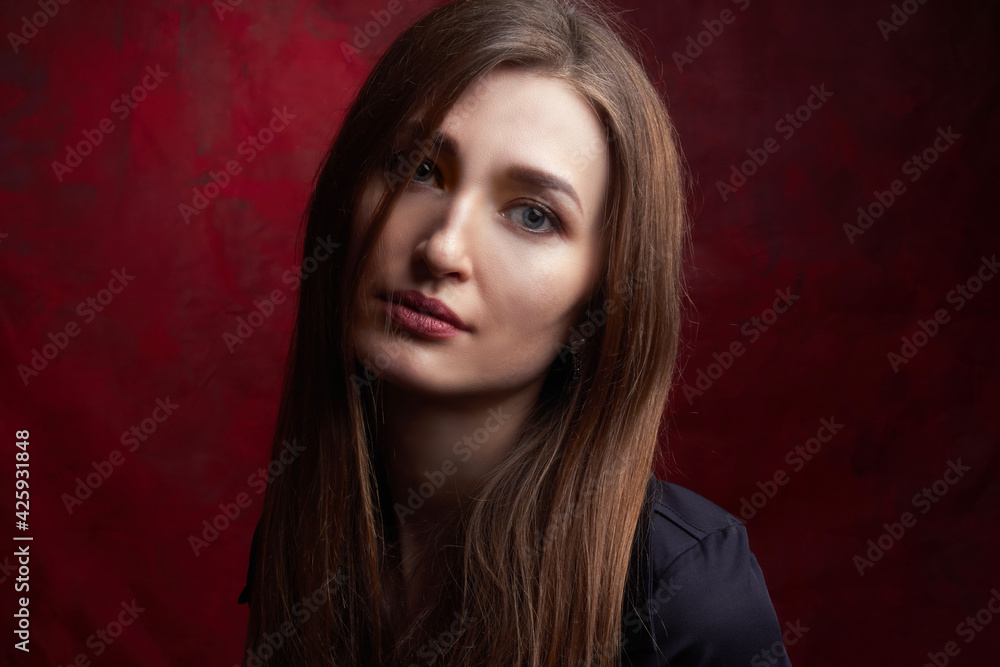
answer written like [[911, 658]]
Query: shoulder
[[680, 519], [708, 602]]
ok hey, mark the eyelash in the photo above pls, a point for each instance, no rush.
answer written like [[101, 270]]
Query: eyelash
[[553, 218], [557, 226]]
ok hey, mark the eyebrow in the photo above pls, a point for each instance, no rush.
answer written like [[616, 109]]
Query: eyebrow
[[523, 174], [543, 179]]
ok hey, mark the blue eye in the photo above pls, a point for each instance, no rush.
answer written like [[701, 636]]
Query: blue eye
[[533, 216], [425, 169]]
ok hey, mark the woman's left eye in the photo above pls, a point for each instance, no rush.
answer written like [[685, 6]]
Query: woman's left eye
[[533, 217]]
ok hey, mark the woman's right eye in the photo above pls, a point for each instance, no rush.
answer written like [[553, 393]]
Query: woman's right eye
[[426, 170], [426, 173]]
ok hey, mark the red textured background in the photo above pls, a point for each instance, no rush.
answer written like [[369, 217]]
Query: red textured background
[[162, 336]]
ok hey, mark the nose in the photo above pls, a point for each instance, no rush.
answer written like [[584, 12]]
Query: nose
[[448, 248]]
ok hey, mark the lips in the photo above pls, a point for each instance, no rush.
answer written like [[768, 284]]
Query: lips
[[424, 304]]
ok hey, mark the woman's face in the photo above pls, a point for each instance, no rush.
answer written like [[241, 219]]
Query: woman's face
[[503, 227]]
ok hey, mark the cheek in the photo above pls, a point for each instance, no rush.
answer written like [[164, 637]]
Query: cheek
[[535, 293]]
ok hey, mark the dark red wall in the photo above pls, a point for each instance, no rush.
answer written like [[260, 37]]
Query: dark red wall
[[158, 346]]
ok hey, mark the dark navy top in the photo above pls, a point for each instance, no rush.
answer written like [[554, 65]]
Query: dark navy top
[[702, 600], [695, 595]]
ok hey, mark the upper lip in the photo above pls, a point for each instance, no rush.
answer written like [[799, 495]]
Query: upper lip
[[421, 303]]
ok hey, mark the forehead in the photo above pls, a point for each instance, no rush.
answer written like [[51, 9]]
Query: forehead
[[531, 104]]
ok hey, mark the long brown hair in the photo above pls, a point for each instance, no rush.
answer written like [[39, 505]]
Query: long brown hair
[[537, 563]]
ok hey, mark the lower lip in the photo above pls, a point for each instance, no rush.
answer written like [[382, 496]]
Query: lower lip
[[419, 323]]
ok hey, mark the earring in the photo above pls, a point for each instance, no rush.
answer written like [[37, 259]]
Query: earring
[[576, 350]]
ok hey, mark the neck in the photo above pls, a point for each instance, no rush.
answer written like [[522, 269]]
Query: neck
[[437, 449]]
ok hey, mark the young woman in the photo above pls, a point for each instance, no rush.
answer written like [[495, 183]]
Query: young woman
[[478, 373]]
